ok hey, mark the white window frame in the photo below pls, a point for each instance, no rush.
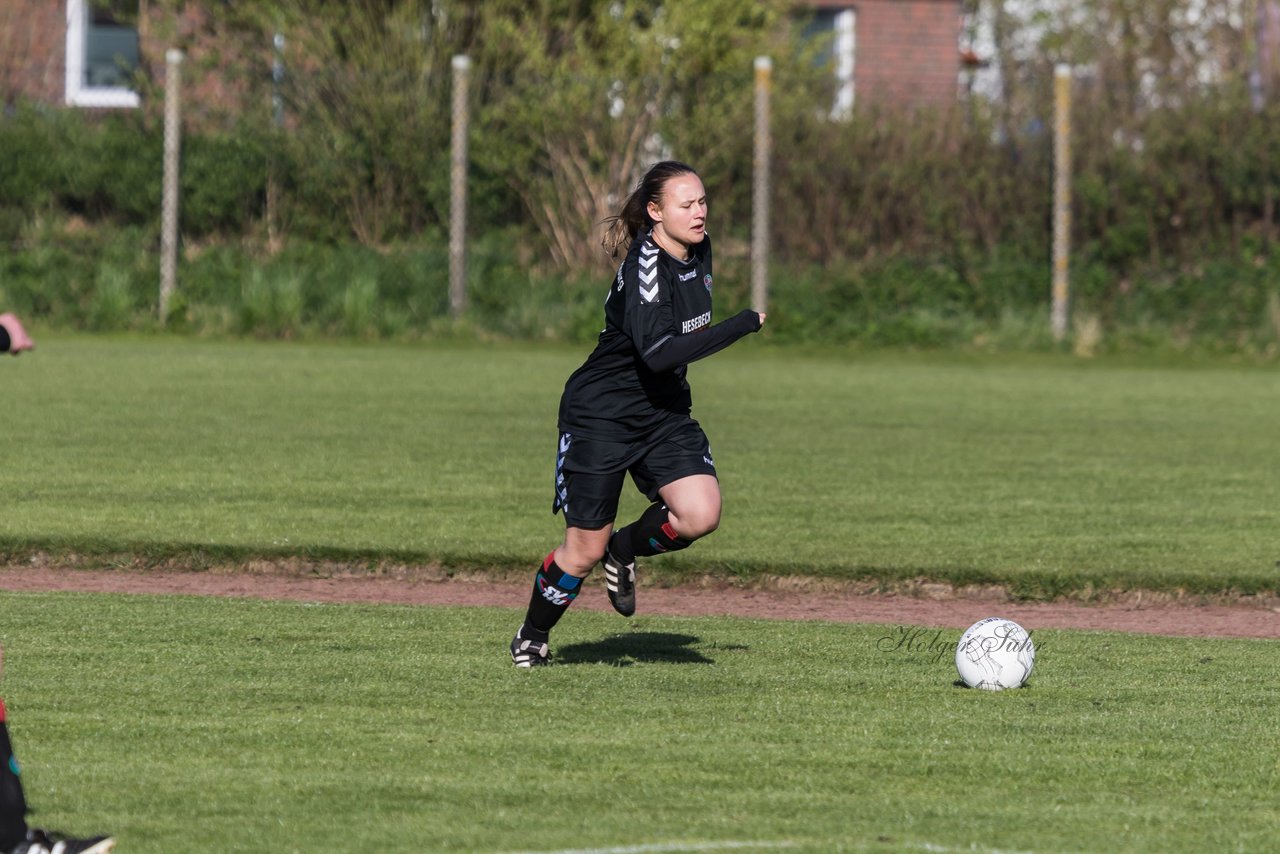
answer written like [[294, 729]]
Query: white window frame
[[845, 49], [78, 94]]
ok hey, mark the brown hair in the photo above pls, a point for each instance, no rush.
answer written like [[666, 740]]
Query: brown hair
[[634, 216]]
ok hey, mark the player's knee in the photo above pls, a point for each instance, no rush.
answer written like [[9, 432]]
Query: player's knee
[[696, 523], [708, 524], [593, 555], [578, 558]]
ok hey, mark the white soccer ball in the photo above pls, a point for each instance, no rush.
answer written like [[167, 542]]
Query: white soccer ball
[[994, 654]]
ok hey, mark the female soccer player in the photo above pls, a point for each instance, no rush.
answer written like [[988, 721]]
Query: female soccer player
[[15, 836], [627, 409]]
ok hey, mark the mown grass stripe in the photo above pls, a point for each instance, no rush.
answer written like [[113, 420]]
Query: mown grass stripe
[[295, 726], [1047, 476]]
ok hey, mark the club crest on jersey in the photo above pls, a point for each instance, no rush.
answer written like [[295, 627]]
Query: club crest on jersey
[[706, 280]]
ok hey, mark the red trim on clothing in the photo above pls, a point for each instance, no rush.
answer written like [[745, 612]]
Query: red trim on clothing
[[1, 711], [670, 531], [550, 559]]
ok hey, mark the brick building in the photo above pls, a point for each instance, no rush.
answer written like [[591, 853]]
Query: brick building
[[893, 51], [70, 52], [33, 37]]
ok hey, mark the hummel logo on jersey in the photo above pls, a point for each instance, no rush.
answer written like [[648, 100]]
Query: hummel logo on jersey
[[648, 272], [619, 278], [696, 323], [684, 277]]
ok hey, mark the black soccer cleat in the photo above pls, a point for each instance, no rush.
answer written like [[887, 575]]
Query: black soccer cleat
[[620, 580], [45, 842], [529, 653]]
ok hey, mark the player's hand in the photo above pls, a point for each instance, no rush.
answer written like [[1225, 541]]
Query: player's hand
[[19, 340], [762, 317]]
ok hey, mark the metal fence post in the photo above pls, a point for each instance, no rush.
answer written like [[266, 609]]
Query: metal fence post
[[1061, 199], [760, 188], [458, 189], [169, 195]]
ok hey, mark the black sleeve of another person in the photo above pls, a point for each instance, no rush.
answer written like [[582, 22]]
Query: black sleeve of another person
[[4, 340], [675, 350]]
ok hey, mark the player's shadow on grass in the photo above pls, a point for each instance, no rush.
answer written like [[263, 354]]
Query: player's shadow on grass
[[635, 648]]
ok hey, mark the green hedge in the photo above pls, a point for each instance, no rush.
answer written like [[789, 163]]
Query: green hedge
[[109, 170], [104, 279]]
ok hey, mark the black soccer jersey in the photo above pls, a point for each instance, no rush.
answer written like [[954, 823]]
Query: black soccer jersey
[[657, 320]]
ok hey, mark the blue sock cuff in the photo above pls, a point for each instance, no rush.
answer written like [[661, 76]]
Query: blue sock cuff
[[552, 575]]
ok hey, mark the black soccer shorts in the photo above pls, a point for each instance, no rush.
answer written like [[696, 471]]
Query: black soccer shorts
[[590, 472]]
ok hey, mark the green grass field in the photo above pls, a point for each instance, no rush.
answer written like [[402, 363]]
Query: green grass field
[[187, 724], [1048, 475], [191, 724]]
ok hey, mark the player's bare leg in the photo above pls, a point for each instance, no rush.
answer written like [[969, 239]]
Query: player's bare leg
[[688, 510], [693, 505], [582, 549]]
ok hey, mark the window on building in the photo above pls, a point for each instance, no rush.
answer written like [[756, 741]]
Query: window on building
[[102, 53], [838, 25]]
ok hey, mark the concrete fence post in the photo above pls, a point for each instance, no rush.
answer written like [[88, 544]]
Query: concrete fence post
[[760, 187], [169, 193], [1061, 200], [458, 188]]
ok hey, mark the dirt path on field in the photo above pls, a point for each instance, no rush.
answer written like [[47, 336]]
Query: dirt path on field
[[923, 606]]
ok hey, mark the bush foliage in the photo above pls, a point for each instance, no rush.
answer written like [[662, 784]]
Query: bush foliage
[[919, 226]]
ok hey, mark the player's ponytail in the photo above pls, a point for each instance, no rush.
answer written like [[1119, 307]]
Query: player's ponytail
[[634, 216]]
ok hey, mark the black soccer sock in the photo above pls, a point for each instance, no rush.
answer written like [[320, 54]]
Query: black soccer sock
[[553, 592], [649, 535], [5, 343], [13, 806]]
